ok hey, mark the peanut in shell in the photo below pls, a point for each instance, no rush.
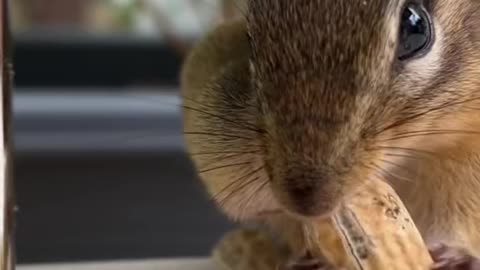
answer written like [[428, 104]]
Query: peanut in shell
[[371, 230]]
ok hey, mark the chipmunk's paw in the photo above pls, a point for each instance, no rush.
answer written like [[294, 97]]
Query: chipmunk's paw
[[447, 258]]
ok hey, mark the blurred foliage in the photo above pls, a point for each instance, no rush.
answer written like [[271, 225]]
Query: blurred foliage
[[186, 17], [124, 14]]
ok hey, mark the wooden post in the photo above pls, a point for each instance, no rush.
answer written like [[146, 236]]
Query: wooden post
[[7, 200]]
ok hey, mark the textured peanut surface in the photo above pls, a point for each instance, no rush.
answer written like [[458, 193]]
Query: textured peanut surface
[[372, 230]]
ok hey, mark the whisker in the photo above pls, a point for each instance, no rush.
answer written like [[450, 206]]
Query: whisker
[[236, 123], [400, 155], [242, 105], [429, 133], [125, 139], [210, 106], [237, 189], [224, 167], [435, 130], [250, 198], [406, 149], [153, 100], [375, 171], [238, 180], [224, 153], [387, 173], [398, 166], [218, 135], [217, 159], [406, 120]]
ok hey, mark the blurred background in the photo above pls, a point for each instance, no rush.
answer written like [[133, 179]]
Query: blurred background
[[100, 170]]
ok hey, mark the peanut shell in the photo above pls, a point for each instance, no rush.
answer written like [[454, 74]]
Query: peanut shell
[[372, 230]]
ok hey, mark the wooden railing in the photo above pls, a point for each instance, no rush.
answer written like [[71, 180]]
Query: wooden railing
[[7, 198]]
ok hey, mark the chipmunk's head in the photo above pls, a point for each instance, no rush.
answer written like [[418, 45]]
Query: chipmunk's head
[[311, 98], [343, 86]]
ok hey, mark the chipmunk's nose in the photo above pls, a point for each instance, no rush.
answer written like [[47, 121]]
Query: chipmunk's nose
[[306, 201], [310, 163], [310, 194]]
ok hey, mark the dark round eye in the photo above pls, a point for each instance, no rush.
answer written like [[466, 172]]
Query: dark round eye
[[415, 32]]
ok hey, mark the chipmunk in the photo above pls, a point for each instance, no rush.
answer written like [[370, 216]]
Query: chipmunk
[[293, 108]]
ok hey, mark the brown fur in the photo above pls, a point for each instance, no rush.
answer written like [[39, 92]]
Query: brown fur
[[313, 102]]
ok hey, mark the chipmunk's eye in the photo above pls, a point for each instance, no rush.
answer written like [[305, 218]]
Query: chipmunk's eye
[[415, 32]]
